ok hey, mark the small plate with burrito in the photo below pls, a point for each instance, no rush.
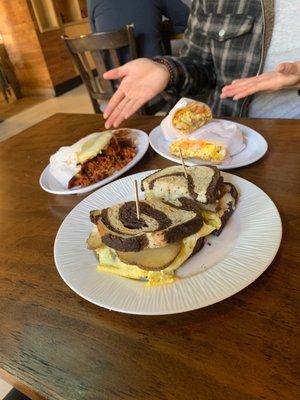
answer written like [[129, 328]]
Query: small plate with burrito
[[190, 128]]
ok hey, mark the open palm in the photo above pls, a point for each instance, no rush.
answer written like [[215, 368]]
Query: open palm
[[284, 77], [141, 80]]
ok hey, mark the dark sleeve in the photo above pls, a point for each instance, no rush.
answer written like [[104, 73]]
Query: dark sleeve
[[177, 12], [194, 67], [90, 8]]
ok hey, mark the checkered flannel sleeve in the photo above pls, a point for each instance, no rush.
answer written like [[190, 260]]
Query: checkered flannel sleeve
[[194, 69]]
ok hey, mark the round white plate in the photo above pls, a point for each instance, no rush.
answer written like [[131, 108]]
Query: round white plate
[[224, 266], [256, 147], [51, 185]]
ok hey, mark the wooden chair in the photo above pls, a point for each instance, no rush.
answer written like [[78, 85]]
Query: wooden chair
[[168, 36], [98, 88]]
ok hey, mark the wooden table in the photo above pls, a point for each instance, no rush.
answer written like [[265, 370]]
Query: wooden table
[[56, 345]]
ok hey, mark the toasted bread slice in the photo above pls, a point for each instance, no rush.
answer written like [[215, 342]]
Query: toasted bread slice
[[226, 204], [159, 225], [202, 184], [223, 207]]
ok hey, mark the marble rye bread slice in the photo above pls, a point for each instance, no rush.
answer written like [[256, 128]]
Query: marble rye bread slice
[[202, 184], [159, 225], [226, 204], [223, 207]]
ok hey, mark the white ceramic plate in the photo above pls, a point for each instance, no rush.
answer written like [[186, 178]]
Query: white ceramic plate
[[51, 185], [256, 147], [232, 261]]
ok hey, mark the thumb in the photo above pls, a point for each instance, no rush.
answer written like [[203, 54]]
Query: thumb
[[116, 73]]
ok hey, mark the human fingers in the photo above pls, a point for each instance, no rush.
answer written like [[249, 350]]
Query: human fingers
[[257, 83], [238, 92], [126, 111], [230, 90], [116, 98], [129, 109], [248, 90], [116, 112], [115, 73], [134, 107], [268, 82], [237, 81], [249, 81]]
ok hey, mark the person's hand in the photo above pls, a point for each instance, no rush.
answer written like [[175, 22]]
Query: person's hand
[[289, 68], [142, 79], [285, 76]]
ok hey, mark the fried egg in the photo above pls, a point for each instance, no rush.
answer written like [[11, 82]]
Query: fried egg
[[110, 262]]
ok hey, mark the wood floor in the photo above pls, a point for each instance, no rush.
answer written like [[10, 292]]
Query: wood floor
[[4, 388], [75, 101], [14, 107]]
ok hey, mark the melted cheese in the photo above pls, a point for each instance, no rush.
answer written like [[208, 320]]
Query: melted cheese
[[110, 262], [94, 146], [65, 163]]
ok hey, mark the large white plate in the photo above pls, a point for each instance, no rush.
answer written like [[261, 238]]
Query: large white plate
[[256, 147], [51, 185], [223, 267]]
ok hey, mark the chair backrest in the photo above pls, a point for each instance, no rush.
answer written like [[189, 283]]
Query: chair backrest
[[168, 35], [96, 44]]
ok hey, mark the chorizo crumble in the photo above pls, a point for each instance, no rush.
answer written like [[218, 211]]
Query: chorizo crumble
[[118, 154]]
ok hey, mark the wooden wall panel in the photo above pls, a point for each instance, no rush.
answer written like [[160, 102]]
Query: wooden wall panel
[[40, 59], [23, 46], [59, 63], [57, 57]]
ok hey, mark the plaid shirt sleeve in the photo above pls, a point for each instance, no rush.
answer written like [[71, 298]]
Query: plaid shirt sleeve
[[194, 67], [223, 42]]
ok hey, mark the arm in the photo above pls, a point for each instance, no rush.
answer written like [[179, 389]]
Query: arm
[[143, 79], [286, 76], [194, 66]]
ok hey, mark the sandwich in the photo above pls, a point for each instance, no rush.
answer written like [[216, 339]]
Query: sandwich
[[203, 191], [191, 117], [176, 216], [150, 248], [225, 205], [201, 185], [93, 158], [213, 143]]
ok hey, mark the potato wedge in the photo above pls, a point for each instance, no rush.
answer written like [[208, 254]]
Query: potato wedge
[[94, 240], [151, 259]]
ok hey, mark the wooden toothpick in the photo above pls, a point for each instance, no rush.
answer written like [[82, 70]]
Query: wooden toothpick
[[137, 204], [183, 164]]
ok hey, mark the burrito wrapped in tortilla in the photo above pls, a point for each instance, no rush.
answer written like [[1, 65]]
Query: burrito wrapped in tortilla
[[215, 141]]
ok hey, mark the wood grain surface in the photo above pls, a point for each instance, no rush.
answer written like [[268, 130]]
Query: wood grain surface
[[56, 345], [23, 47]]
